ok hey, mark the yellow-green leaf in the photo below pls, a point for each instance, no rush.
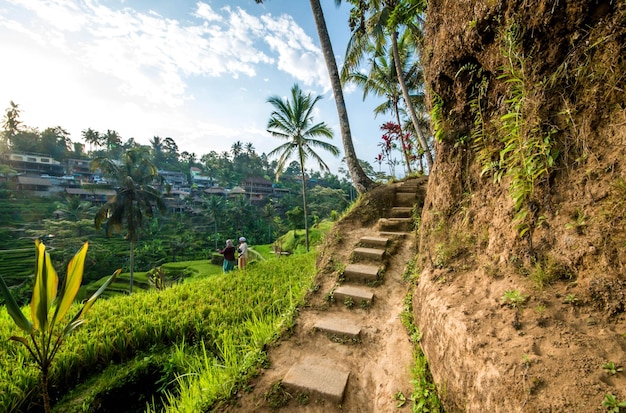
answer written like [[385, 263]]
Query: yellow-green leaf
[[44, 291], [73, 279], [14, 310]]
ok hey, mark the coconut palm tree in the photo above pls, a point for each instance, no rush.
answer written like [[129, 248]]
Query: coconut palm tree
[[380, 22], [135, 197], [382, 80], [292, 121], [91, 137], [361, 181]]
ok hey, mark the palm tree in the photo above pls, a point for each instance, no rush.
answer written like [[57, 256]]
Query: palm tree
[[361, 181], [11, 123], [382, 80], [91, 137], [292, 121], [215, 206], [135, 197], [379, 21]]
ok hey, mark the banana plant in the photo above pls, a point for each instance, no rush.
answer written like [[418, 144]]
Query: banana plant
[[45, 331]]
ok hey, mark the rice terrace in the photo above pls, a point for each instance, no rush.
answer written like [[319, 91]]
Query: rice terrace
[[479, 266]]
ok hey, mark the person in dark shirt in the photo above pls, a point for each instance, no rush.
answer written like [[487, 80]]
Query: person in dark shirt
[[229, 256]]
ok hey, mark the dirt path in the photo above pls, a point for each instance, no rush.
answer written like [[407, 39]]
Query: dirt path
[[379, 362]]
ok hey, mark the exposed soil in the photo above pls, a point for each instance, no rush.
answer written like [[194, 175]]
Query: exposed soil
[[380, 363], [547, 354], [550, 351]]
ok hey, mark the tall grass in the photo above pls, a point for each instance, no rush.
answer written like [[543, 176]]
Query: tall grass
[[230, 316]]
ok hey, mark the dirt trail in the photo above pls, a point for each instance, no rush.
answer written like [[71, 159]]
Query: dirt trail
[[379, 362]]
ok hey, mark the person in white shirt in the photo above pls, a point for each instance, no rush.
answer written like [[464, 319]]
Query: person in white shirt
[[243, 253]]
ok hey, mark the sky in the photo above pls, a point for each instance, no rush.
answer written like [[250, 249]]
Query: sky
[[199, 72]]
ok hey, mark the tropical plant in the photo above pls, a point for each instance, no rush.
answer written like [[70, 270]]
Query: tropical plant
[[11, 124], [45, 333], [382, 80], [377, 23], [361, 181], [292, 121], [135, 197]]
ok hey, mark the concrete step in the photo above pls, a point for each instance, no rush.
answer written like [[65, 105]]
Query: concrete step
[[395, 224], [374, 241], [375, 254], [361, 272], [401, 212], [404, 199], [338, 326], [314, 377], [358, 294]]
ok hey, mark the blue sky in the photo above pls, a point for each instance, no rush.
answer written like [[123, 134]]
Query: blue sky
[[199, 72]]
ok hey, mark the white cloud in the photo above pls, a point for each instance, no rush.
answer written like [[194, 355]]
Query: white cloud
[[201, 77]]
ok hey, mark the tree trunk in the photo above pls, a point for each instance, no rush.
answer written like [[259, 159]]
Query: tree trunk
[[404, 150], [44, 389], [361, 181], [306, 221], [132, 263], [407, 100]]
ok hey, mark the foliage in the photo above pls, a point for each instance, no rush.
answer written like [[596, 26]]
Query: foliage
[[424, 396], [235, 317], [612, 368], [612, 404], [45, 333], [292, 120], [135, 197], [514, 298]]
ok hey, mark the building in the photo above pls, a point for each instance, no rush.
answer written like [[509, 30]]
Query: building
[[33, 164]]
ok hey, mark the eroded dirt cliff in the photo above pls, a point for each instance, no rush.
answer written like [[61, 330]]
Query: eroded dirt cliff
[[522, 295]]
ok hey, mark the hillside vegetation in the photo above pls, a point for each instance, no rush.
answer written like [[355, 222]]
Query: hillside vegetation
[[185, 347]]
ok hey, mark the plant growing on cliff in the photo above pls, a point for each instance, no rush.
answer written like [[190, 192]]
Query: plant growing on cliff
[[527, 152], [514, 298], [45, 333]]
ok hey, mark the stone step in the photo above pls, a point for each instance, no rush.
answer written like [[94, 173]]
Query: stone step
[[404, 199], [374, 241], [375, 254], [338, 326], [312, 376], [394, 235], [358, 294], [401, 212], [395, 224], [408, 188], [361, 272]]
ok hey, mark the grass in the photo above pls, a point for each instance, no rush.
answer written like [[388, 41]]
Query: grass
[[224, 322]]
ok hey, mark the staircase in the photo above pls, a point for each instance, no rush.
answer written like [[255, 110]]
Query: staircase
[[315, 374]]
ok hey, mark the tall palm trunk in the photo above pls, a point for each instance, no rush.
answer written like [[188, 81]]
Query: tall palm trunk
[[132, 263], [306, 220], [361, 181], [407, 99], [404, 150]]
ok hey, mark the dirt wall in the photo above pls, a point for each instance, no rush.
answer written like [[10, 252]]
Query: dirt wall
[[522, 295]]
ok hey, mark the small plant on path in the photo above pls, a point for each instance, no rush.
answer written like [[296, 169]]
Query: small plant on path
[[612, 368], [612, 404], [45, 334]]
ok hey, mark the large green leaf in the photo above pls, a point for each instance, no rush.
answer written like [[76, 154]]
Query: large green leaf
[[45, 289], [73, 279], [14, 310]]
